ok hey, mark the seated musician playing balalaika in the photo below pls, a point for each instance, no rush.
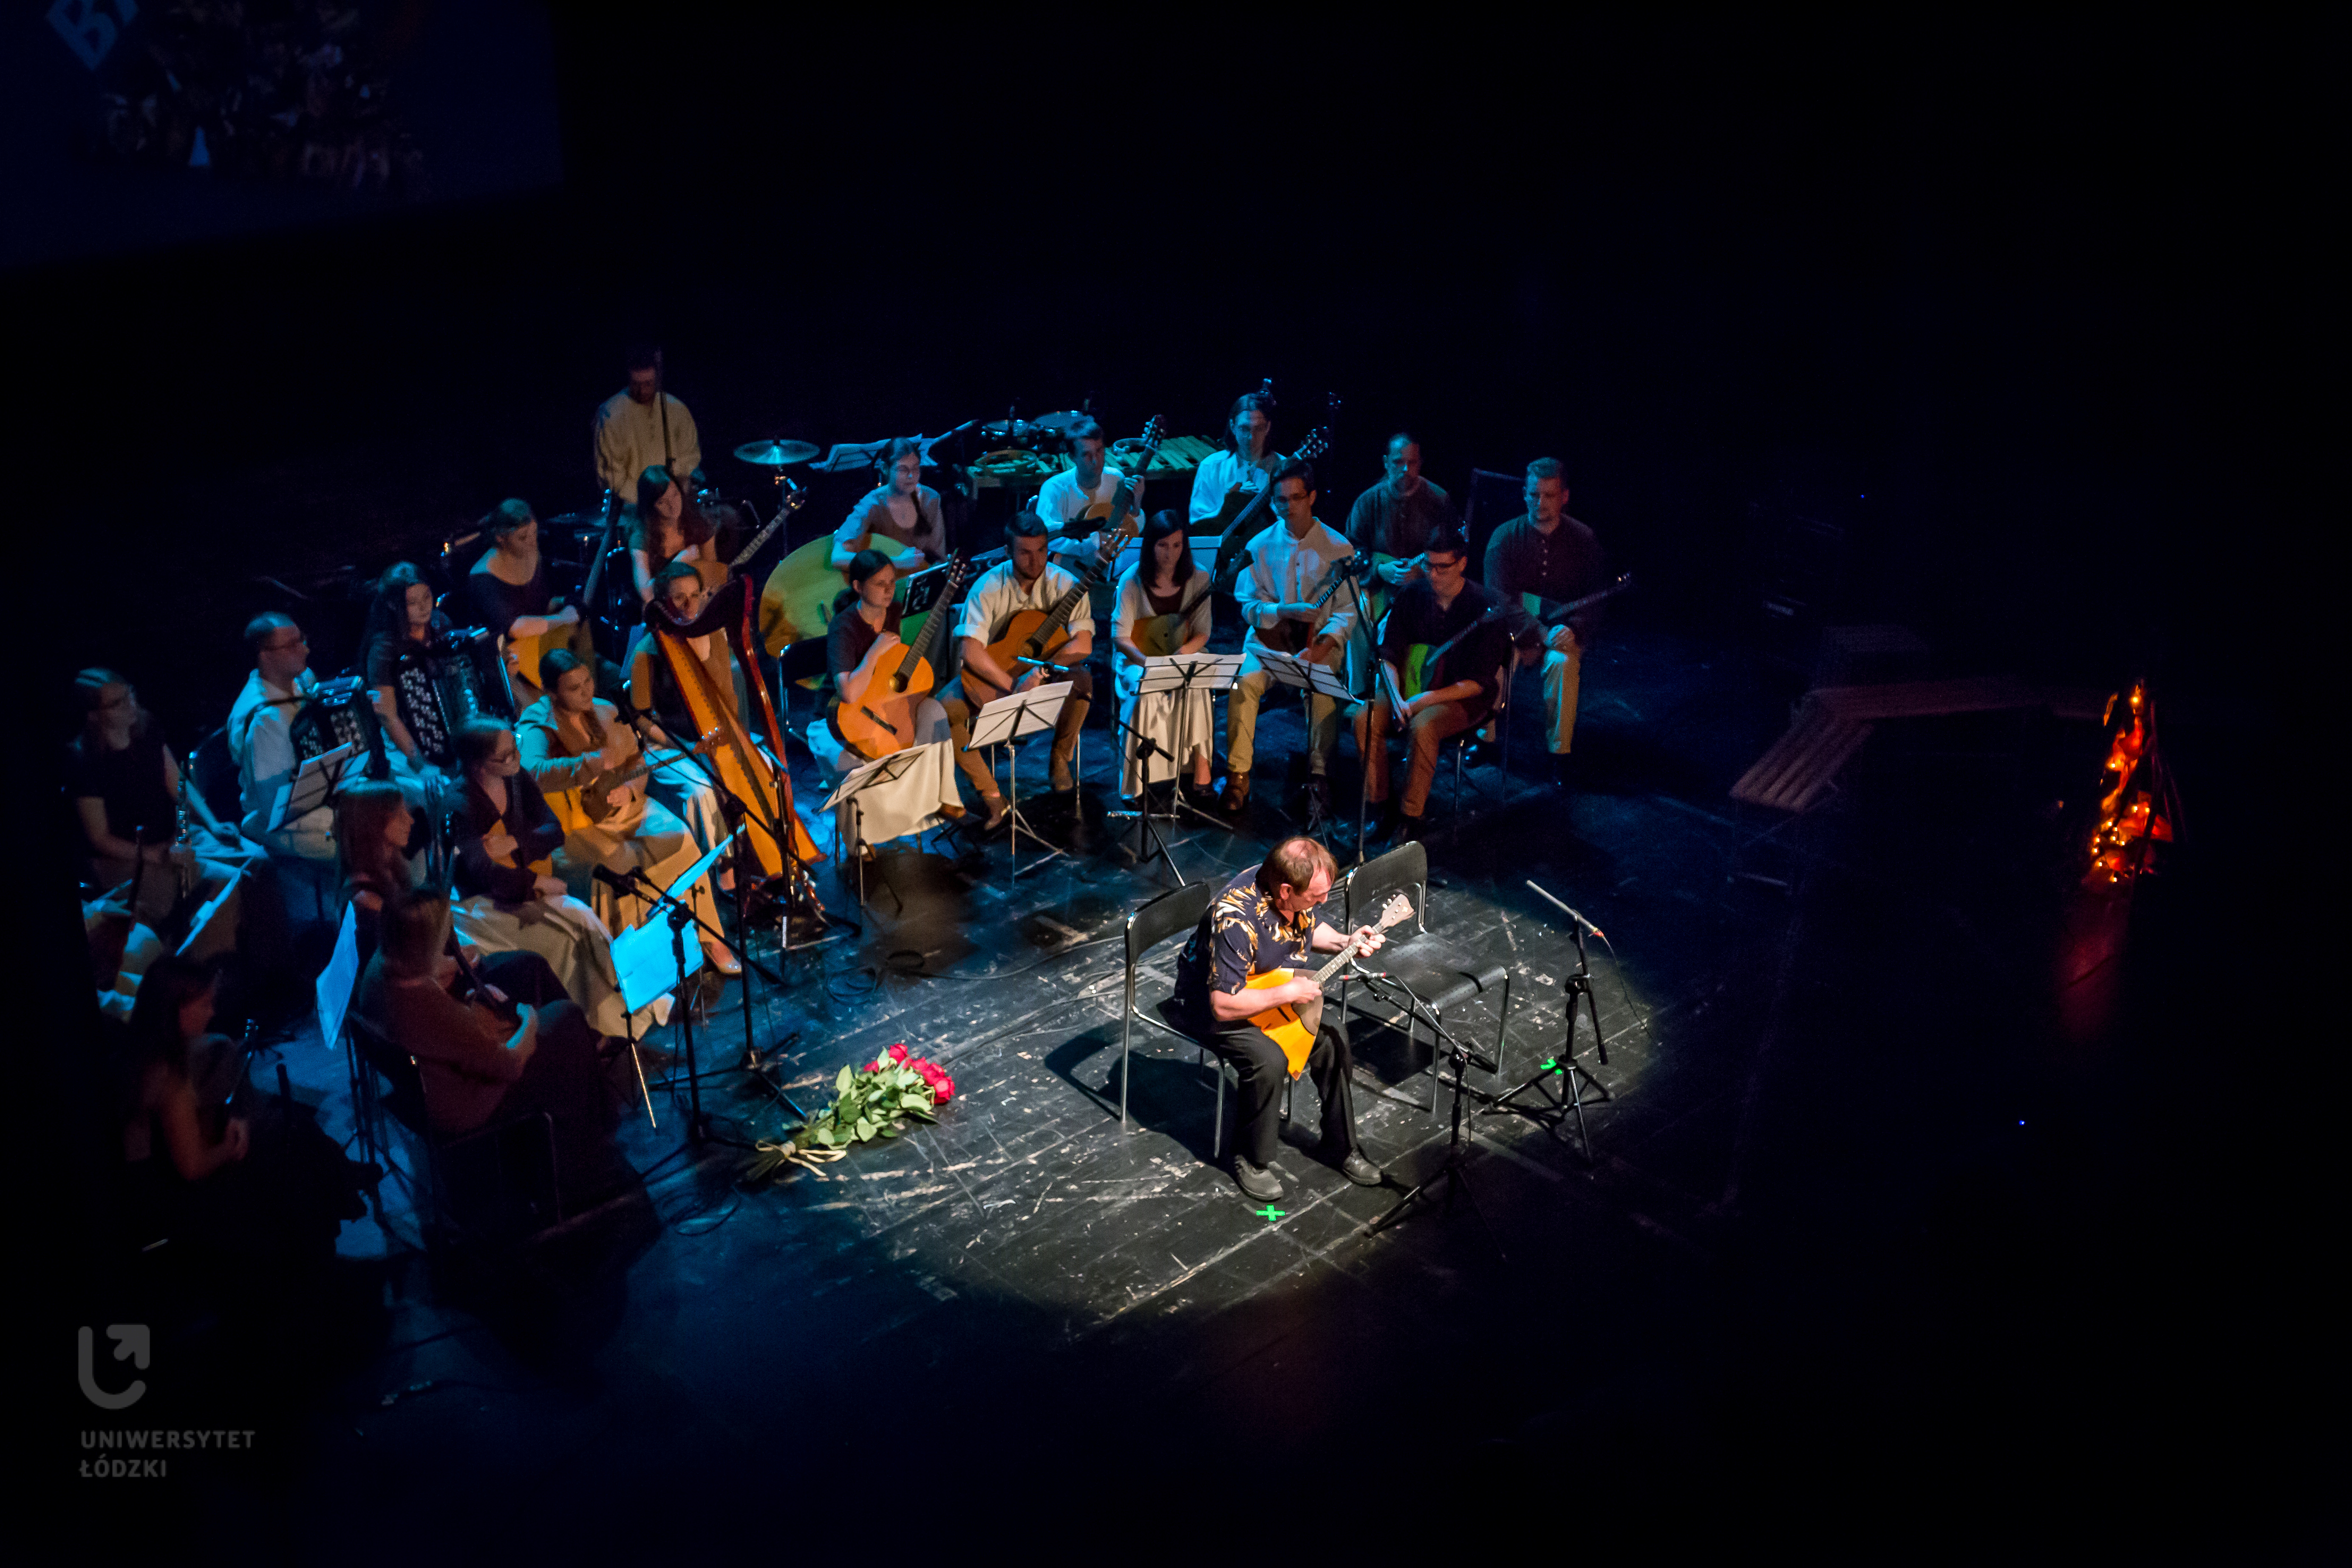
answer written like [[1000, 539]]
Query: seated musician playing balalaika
[[1265, 920], [1443, 652]]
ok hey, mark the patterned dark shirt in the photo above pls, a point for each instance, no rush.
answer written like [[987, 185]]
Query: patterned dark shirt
[[1241, 935]]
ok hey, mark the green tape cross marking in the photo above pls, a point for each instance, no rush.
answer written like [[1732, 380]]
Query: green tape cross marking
[[1269, 1214]]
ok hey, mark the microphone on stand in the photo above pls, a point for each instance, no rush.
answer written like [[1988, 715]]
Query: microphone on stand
[[1571, 914]]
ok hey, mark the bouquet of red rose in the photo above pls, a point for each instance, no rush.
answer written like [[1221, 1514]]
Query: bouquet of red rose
[[870, 1103]]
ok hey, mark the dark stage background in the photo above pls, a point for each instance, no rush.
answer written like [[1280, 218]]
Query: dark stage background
[[2029, 311]]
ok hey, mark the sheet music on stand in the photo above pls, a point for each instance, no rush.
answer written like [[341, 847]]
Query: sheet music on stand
[[337, 981], [1195, 671], [919, 591], [1296, 669], [1005, 721], [311, 786]]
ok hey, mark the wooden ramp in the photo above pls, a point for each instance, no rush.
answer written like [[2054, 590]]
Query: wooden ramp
[[1833, 721]]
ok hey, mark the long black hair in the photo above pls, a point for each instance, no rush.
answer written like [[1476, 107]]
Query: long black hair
[[1164, 521], [170, 983]]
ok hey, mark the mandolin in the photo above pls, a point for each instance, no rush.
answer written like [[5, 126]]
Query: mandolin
[[1422, 661], [1160, 635], [1550, 613], [1294, 1028], [880, 719]]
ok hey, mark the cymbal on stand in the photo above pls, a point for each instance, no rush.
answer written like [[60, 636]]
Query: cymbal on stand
[[776, 454]]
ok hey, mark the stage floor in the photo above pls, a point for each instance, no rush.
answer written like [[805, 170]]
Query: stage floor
[[1815, 1026]]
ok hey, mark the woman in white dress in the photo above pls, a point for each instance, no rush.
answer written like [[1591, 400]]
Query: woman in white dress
[[1163, 608]]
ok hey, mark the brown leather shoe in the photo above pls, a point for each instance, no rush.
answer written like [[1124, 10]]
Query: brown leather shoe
[[1237, 794], [997, 812]]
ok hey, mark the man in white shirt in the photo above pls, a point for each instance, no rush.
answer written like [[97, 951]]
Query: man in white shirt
[[641, 428], [1089, 479], [1026, 581], [1244, 464], [1289, 603], [261, 741]]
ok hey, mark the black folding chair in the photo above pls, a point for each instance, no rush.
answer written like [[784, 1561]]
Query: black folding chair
[[502, 1177], [1174, 914], [1422, 975]]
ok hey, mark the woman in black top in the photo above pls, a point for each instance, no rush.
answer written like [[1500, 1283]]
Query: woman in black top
[[401, 619], [126, 791], [505, 837], [508, 591]]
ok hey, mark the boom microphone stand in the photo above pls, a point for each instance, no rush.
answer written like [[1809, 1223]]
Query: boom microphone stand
[[1551, 1109]]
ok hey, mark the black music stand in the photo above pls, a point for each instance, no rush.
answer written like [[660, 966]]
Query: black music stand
[[1298, 670], [1003, 722], [1552, 1108], [1179, 674], [853, 784]]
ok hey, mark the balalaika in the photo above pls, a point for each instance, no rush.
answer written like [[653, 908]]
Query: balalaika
[[457, 676]]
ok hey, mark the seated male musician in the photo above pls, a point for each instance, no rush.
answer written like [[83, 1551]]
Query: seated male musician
[[1545, 552], [1431, 612], [1290, 603], [1026, 581], [1264, 920], [641, 425], [1392, 522], [1243, 464], [261, 741], [1089, 480]]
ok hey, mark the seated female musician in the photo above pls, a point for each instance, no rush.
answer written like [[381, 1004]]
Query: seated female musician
[[482, 1063], [126, 791], [401, 618], [277, 1192], [662, 529], [1162, 598], [372, 834], [571, 744], [901, 506], [682, 783], [865, 629], [508, 591], [505, 837]]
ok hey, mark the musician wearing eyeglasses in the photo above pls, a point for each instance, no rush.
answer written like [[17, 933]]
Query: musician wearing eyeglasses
[[642, 426], [1546, 552], [1444, 654], [1265, 920], [261, 741], [1292, 599], [901, 508]]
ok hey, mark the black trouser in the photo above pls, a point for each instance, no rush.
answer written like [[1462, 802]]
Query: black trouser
[[1264, 1071]]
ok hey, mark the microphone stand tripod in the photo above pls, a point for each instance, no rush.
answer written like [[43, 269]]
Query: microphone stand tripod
[[1145, 833], [1551, 1109], [1452, 1169]]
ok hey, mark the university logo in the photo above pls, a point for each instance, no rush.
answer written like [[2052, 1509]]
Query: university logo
[[131, 1344]]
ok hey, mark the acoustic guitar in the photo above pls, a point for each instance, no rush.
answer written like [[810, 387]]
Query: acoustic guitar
[[1034, 635], [1116, 515], [1294, 1028], [881, 720], [1160, 635], [1552, 613], [1422, 661]]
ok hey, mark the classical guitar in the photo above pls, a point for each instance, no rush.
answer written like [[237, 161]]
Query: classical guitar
[[1033, 635], [1294, 1028], [881, 720], [1240, 518]]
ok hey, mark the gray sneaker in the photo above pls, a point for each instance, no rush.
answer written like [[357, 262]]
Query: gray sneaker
[[1255, 1180]]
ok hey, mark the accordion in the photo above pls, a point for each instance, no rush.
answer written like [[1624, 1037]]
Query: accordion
[[458, 676], [340, 713]]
